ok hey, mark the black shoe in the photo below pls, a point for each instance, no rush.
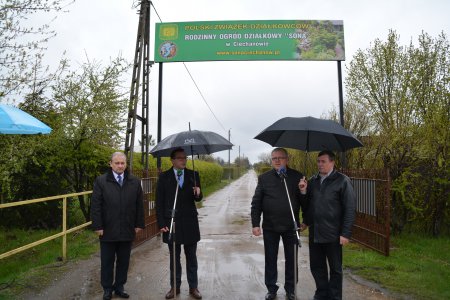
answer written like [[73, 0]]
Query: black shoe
[[270, 296], [290, 296], [107, 294], [122, 294]]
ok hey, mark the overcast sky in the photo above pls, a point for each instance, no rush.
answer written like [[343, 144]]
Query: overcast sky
[[246, 97]]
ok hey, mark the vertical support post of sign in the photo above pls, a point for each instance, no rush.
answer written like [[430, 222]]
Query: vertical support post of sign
[[229, 163], [158, 138], [341, 107], [341, 94]]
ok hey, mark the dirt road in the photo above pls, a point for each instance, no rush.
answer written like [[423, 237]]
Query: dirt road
[[231, 260]]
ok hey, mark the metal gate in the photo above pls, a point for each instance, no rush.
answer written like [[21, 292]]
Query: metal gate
[[373, 204], [149, 187]]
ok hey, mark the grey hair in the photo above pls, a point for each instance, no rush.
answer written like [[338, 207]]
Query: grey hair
[[118, 154]]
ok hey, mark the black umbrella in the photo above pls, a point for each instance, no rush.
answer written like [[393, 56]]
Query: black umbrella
[[309, 134], [193, 142]]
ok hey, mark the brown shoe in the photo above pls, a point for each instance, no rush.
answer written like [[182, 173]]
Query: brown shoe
[[170, 294], [195, 293]]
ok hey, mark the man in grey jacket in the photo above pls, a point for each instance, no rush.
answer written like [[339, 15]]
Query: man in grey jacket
[[117, 214], [330, 217]]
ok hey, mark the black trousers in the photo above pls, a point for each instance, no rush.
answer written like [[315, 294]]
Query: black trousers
[[118, 253], [329, 285], [190, 251], [271, 245]]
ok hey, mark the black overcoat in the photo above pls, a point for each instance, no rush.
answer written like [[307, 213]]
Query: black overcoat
[[116, 209], [331, 211], [271, 200], [187, 229]]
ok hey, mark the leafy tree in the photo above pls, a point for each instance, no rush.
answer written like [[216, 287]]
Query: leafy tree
[[92, 105], [358, 122], [405, 92], [27, 172], [219, 160], [86, 112], [206, 157], [242, 162], [22, 44], [265, 158]]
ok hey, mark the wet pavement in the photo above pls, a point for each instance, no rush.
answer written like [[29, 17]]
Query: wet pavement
[[231, 260]]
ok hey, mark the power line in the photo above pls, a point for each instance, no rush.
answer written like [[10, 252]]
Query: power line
[[201, 94], [193, 80]]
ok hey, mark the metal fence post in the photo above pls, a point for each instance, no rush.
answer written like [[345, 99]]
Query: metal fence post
[[64, 228]]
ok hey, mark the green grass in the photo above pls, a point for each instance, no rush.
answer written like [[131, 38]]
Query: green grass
[[215, 187], [36, 266], [418, 266]]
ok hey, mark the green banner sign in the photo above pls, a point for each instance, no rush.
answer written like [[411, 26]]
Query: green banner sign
[[249, 40]]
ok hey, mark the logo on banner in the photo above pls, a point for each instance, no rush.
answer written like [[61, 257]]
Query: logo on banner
[[168, 49]]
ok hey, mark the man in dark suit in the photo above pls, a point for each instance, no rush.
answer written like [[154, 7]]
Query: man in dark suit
[[117, 213], [185, 184], [271, 200]]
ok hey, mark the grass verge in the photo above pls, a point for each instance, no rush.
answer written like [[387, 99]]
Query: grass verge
[[418, 266], [35, 266]]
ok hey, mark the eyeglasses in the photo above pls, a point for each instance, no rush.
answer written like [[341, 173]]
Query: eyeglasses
[[181, 157], [279, 158]]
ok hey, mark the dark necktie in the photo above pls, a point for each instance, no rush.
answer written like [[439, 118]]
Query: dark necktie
[[119, 179]]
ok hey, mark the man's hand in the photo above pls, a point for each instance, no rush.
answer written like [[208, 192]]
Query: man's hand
[[303, 226], [302, 185], [196, 190], [343, 240], [164, 229], [256, 231], [99, 232]]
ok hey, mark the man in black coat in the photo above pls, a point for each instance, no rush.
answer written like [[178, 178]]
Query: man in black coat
[[330, 218], [271, 200], [185, 184], [117, 213]]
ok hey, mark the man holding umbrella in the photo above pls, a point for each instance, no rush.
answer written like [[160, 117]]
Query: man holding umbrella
[[180, 186], [330, 217], [272, 201]]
